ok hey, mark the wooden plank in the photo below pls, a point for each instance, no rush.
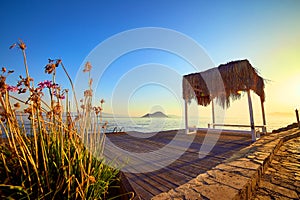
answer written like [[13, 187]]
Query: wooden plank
[[183, 169], [236, 125]]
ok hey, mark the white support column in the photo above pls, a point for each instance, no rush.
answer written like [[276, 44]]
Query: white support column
[[251, 116], [213, 112], [186, 116], [263, 116]]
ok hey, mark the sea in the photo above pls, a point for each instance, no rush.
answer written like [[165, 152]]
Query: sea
[[148, 125]]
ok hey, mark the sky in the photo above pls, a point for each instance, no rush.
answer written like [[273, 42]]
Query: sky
[[267, 33]]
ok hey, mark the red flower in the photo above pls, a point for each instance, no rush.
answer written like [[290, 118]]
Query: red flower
[[12, 88], [47, 84]]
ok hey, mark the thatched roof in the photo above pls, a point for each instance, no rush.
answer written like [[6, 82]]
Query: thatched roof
[[223, 83]]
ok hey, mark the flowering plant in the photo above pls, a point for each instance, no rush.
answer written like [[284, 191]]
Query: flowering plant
[[52, 157]]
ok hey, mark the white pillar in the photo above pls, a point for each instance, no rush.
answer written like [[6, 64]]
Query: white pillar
[[186, 116], [251, 116], [263, 116], [213, 112]]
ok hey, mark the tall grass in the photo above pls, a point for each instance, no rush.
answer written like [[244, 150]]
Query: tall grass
[[54, 157]]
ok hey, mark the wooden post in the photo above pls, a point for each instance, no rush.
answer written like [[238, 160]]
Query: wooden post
[[251, 116], [263, 116], [297, 116], [186, 116], [213, 112]]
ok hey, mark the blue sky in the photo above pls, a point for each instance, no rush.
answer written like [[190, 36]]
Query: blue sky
[[265, 32]]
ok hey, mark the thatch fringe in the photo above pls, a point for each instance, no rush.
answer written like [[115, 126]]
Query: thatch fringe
[[223, 83]]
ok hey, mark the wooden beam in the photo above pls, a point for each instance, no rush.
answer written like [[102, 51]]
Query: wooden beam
[[251, 116], [236, 125], [213, 112], [263, 116], [186, 116]]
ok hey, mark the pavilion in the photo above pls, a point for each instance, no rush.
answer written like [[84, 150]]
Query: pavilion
[[225, 83]]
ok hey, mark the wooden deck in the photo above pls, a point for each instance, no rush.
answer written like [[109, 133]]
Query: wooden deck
[[186, 167]]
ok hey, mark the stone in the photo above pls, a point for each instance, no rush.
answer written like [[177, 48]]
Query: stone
[[162, 196], [174, 194], [270, 169], [245, 163], [297, 185], [262, 197], [191, 194], [218, 191], [250, 173], [230, 179], [204, 178], [278, 189]]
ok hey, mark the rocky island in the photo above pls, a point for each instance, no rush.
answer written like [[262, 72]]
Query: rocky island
[[155, 115]]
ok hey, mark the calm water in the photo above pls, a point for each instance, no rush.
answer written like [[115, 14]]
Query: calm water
[[163, 124], [160, 124]]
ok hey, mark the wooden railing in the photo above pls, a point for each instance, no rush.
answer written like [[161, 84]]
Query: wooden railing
[[263, 128]]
